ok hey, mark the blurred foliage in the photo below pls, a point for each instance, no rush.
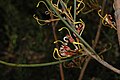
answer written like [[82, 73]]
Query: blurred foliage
[[22, 40]]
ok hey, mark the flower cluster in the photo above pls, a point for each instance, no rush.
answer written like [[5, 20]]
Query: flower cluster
[[107, 20], [65, 50]]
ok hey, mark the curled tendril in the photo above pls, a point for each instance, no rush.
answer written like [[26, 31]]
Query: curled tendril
[[83, 26], [64, 9], [100, 14], [82, 46], [58, 2], [59, 41], [81, 10], [59, 56], [66, 29], [106, 20], [49, 10], [78, 6], [44, 4], [77, 43], [81, 21], [41, 21], [56, 51]]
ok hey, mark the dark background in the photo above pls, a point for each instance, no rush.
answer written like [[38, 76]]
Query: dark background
[[22, 40]]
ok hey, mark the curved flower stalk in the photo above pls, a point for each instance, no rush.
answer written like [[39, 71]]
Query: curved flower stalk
[[43, 22], [79, 5], [107, 20]]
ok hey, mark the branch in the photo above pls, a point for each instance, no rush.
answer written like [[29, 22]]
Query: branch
[[95, 43], [96, 57], [36, 65], [117, 16], [91, 52]]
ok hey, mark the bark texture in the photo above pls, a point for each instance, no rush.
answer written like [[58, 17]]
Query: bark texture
[[117, 17]]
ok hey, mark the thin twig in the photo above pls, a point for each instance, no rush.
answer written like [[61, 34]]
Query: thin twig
[[55, 37], [95, 43]]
